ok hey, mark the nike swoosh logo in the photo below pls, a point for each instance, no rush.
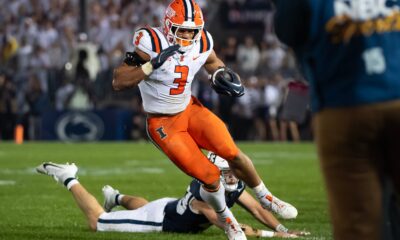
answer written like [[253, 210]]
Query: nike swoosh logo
[[49, 164], [235, 84], [194, 58]]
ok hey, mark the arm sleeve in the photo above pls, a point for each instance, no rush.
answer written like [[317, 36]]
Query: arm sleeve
[[292, 21]]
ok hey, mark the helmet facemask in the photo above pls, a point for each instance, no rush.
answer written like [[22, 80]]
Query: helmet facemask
[[229, 180], [186, 44]]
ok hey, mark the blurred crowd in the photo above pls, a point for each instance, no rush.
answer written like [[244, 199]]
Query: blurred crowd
[[48, 62]]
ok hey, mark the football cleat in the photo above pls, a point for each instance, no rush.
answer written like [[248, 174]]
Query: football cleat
[[233, 230], [110, 200], [60, 172], [279, 207]]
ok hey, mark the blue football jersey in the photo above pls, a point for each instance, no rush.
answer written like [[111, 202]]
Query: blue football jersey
[[179, 217], [352, 54]]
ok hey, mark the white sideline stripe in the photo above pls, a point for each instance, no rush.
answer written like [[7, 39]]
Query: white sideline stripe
[[288, 155], [7, 182], [115, 171], [133, 165], [89, 171], [263, 161], [132, 162]]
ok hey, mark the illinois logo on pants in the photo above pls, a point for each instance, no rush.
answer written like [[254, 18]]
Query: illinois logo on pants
[[182, 136]]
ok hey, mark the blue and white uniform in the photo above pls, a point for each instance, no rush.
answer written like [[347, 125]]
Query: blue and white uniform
[[180, 217], [166, 214], [148, 218]]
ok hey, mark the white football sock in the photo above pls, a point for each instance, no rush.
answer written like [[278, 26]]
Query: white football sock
[[263, 194], [215, 199], [225, 215], [217, 202]]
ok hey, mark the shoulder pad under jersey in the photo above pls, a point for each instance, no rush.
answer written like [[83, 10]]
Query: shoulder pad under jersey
[[149, 40]]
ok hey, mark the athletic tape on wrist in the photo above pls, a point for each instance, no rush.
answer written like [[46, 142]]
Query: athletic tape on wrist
[[281, 228], [147, 68], [267, 234]]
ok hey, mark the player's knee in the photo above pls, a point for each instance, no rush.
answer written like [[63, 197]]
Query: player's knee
[[213, 186], [227, 152]]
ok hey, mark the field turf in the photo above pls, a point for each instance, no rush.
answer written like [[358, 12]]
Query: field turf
[[34, 206]]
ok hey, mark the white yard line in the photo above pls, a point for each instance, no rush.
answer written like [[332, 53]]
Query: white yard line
[[7, 182], [90, 171]]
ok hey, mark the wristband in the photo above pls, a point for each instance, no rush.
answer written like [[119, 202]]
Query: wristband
[[267, 234], [147, 68], [281, 228]]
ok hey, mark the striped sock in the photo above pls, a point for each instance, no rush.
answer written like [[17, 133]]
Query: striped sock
[[69, 182], [118, 198]]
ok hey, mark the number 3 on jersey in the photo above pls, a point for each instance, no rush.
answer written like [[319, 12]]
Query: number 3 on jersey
[[181, 81]]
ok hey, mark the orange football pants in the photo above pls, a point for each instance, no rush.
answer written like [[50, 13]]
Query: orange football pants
[[182, 136]]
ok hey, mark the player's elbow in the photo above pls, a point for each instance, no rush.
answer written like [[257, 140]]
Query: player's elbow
[[115, 85], [93, 216], [92, 222], [93, 227], [125, 77]]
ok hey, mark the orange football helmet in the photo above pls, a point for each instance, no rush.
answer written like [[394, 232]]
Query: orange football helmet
[[183, 14]]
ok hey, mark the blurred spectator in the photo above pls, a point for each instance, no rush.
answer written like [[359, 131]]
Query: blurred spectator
[[273, 94], [271, 58], [288, 124], [40, 64], [229, 52], [47, 34], [38, 103], [8, 107], [82, 97], [63, 95], [8, 50], [246, 113], [248, 56], [42, 38]]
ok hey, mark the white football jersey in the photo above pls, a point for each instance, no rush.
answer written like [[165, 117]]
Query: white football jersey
[[167, 90]]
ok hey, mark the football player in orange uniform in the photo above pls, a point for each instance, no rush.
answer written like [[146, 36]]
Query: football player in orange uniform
[[163, 65]]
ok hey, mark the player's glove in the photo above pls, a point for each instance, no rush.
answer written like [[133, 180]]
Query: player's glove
[[160, 59], [227, 82], [164, 55]]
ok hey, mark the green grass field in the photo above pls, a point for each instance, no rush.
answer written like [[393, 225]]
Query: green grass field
[[33, 206]]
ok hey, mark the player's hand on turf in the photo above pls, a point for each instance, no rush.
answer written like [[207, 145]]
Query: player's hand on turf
[[299, 233], [285, 235], [164, 55], [249, 231]]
